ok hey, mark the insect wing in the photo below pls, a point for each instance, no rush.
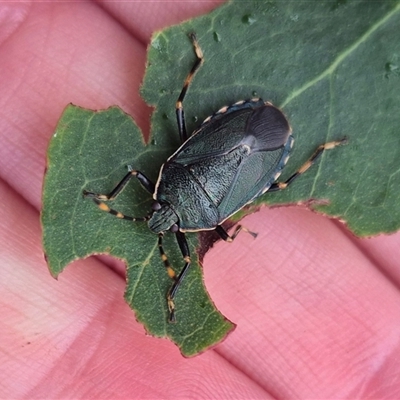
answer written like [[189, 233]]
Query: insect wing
[[254, 177], [267, 138], [214, 153], [219, 136], [236, 156]]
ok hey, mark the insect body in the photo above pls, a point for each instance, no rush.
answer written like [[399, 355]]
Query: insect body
[[230, 160], [235, 156]]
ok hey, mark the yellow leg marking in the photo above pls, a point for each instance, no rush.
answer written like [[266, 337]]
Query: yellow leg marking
[[187, 259], [104, 207], [305, 167], [282, 185], [197, 48], [331, 145], [171, 308], [244, 229], [188, 80], [171, 273]]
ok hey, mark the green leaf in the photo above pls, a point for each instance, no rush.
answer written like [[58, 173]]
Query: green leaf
[[90, 150], [333, 69], [332, 66]]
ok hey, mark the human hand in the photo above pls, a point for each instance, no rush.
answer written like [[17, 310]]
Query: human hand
[[316, 309]]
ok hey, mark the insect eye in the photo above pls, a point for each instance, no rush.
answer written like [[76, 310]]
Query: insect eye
[[174, 228], [156, 206]]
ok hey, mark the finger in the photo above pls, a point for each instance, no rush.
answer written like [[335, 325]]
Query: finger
[[143, 18], [58, 54], [315, 316], [77, 338]]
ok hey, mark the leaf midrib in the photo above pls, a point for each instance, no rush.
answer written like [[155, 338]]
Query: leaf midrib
[[342, 56]]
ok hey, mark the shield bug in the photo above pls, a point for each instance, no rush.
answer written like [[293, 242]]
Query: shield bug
[[235, 156]]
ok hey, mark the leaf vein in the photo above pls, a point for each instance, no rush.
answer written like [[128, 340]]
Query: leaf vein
[[341, 57]]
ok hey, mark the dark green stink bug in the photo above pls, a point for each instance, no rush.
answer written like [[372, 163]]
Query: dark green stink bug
[[235, 156]]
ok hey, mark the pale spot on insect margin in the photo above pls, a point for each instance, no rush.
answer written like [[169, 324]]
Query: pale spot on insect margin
[[222, 110]]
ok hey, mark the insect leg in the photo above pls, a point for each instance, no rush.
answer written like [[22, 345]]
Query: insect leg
[[326, 146], [183, 245], [100, 198], [230, 238], [180, 115]]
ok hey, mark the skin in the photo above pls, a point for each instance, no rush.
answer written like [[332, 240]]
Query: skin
[[317, 310]]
